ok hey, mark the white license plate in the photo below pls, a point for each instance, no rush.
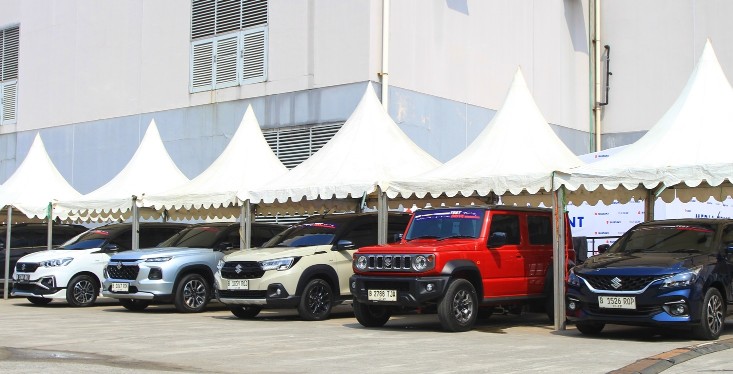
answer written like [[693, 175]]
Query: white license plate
[[22, 277], [120, 287], [238, 284], [382, 295], [617, 302]]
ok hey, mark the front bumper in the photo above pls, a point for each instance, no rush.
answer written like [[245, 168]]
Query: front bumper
[[276, 296], [411, 291], [44, 287], [653, 308], [143, 288]]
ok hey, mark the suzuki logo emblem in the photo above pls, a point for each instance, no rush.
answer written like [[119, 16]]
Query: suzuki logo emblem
[[22, 267], [119, 265], [238, 268], [616, 283]]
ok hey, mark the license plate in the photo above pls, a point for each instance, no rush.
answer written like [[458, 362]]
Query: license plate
[[238, 284], [22, 277], [120, 287], [382, 295], [617, 302]]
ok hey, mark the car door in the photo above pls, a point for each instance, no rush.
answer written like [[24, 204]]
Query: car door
[[537, 252], [360, 234], [727, 242], [503, 271]]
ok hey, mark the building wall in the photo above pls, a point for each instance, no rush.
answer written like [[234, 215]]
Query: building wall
[[94, 73]]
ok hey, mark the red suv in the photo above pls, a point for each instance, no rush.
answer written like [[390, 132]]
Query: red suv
[[457, 260]]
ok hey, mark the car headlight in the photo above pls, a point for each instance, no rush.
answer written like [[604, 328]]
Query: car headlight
[[573, 279], [682, 279], [360, 262], [423, 262], [158, 259], [278, 263], [220, 264], [56, 262]]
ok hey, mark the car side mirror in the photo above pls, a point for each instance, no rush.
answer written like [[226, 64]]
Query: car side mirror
[[396, 238], [344, 245], [111, 248], [603, 248], [223, 246], [497, 239], [728, 248]]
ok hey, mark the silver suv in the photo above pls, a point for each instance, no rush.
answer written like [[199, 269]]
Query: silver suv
[[181, 270], [306, 266]]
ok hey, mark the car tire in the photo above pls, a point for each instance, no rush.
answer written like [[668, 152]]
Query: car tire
[[39, 300], [590, 328], [458, 309], [245, 312], [371, 315], [134, 305], [712, 316], [192, 294], [82, 291], [316, 301]]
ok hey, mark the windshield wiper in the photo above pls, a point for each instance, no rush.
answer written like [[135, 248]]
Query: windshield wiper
[[457, 237], [423, 237]]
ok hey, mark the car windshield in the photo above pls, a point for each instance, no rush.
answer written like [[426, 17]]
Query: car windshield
[[87, 240], [446, 224], [195, 237], [304, 235], [683, 238]]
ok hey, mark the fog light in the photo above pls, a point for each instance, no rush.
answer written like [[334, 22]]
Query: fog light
[[572, 305], [155, 274], [429, 287], [47, 282], [677, 309], [353, 284], [278, 292]]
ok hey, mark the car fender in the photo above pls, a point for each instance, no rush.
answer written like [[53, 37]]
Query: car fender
[[467, 267], [314, 272]]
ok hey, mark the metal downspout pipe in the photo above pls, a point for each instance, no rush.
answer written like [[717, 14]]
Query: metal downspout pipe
[[597, 73], [385, 55]]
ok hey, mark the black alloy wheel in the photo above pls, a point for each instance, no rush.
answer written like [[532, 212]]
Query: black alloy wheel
[[317, 300]]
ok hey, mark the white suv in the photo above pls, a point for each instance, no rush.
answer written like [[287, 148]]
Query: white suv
[[306, 266], [74, 271]]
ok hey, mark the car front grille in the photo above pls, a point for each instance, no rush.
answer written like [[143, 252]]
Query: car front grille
[[26, 267], [242, 270], [242, 294], [119, 271], [619, 283], [389, 262]]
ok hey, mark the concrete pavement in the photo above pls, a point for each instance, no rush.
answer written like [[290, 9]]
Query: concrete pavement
[[58, 338]]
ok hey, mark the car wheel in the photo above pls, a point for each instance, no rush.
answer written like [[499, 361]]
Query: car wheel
[[590, 328], [316, 302], [82, 291], [192, 294], [245, 312], [371, 315], [712, 318], [458, 309], [134, 305], [39, 300]]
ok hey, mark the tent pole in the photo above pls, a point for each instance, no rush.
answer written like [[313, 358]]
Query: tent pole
[[558, 269], [49, 216], [382, 211], [135, 225], [649, 205], [7, 252], [245, 218]]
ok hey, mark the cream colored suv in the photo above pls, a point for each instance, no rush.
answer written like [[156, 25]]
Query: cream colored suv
[[306, 266]]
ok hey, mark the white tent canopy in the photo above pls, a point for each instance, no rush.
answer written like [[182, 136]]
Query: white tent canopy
[[35, 183], [515, 154], [150, 170], [368, 148], [246, 163], [687, 150]]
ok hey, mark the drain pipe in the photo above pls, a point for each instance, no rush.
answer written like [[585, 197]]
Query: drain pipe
[[384, 75], [597, 73]]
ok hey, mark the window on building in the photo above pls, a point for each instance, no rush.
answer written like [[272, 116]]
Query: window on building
[[228, 43], [9, 45], [293, 145]]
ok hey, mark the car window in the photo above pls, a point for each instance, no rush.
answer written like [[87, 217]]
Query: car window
[[152, 236], [506, 223], [90, 239], [362, 235], [200, 236], [540, 229], [443, 224], [679, 238], [305, 234]]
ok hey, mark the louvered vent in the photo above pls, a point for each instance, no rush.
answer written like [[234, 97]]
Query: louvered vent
[[253, 56], [217, 17], [9, 45], [226, 62], [294, 145], [283, 220], [202, 65], [8, 92]]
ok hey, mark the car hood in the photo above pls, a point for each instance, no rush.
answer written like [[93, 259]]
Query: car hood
[[261, 254], [636, 263], [158, 252], [424, 246], [56, 253]]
